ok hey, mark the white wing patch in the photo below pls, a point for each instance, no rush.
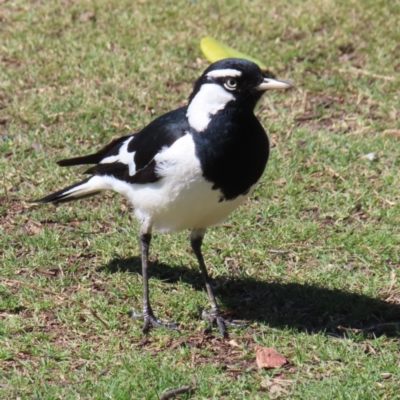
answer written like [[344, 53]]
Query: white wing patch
[[124, 156], [210, 99]]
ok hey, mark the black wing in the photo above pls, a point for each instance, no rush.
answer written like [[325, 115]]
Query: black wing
[[141, 150]]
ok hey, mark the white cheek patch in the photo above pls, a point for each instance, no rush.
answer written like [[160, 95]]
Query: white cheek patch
[[210, 99], [221, 73], [124, 156]]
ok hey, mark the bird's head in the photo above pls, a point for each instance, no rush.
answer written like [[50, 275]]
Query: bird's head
[[238, 77], [234, 81]]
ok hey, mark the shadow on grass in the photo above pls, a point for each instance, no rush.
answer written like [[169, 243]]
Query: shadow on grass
[[308, 308]]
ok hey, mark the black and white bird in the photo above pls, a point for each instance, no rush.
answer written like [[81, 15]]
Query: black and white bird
[[189, 168]]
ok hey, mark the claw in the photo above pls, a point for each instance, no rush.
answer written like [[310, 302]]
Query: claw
[[215, 317], [150, 321], [135, 314]]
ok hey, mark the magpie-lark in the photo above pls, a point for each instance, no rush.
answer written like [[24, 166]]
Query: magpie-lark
[[189, 168]]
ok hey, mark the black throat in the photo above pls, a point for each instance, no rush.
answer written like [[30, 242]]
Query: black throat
[[233, 151]]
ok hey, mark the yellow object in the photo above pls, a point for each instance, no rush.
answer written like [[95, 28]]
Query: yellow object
[[215, 51]]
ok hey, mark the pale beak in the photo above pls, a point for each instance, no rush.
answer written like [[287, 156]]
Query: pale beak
[[269, 83]]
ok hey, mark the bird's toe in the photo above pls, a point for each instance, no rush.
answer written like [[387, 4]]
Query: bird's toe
[[150, 321], [214, 317]]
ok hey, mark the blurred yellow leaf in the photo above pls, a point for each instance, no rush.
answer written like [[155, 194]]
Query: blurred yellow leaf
[[215, 51]]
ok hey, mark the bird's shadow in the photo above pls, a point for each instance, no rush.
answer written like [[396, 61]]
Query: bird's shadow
[[302, 307]]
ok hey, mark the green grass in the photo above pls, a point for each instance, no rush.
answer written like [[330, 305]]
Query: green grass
[[73, 75]]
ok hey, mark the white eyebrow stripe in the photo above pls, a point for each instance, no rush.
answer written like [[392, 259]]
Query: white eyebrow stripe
[[218, 73]]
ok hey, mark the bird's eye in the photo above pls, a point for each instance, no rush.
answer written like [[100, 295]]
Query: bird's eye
[[230, 84]]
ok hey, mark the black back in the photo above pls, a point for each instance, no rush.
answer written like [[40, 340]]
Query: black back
[[162, 132]]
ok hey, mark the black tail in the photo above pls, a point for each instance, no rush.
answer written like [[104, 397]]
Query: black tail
[[94, 158], [78, 191]]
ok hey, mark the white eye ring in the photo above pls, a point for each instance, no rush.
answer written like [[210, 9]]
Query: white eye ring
[[230, 84]]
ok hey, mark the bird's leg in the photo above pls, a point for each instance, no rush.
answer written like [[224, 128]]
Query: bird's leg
[[149, 319], [196, 240]]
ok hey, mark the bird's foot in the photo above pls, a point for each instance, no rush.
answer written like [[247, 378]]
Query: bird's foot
[[215, 317], [150, 321]]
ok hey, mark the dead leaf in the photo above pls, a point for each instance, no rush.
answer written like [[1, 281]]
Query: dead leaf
[[281, 182], [265, 383], [394, 133], [268, 357], [234, 343], [88, 16], [274, 388]]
